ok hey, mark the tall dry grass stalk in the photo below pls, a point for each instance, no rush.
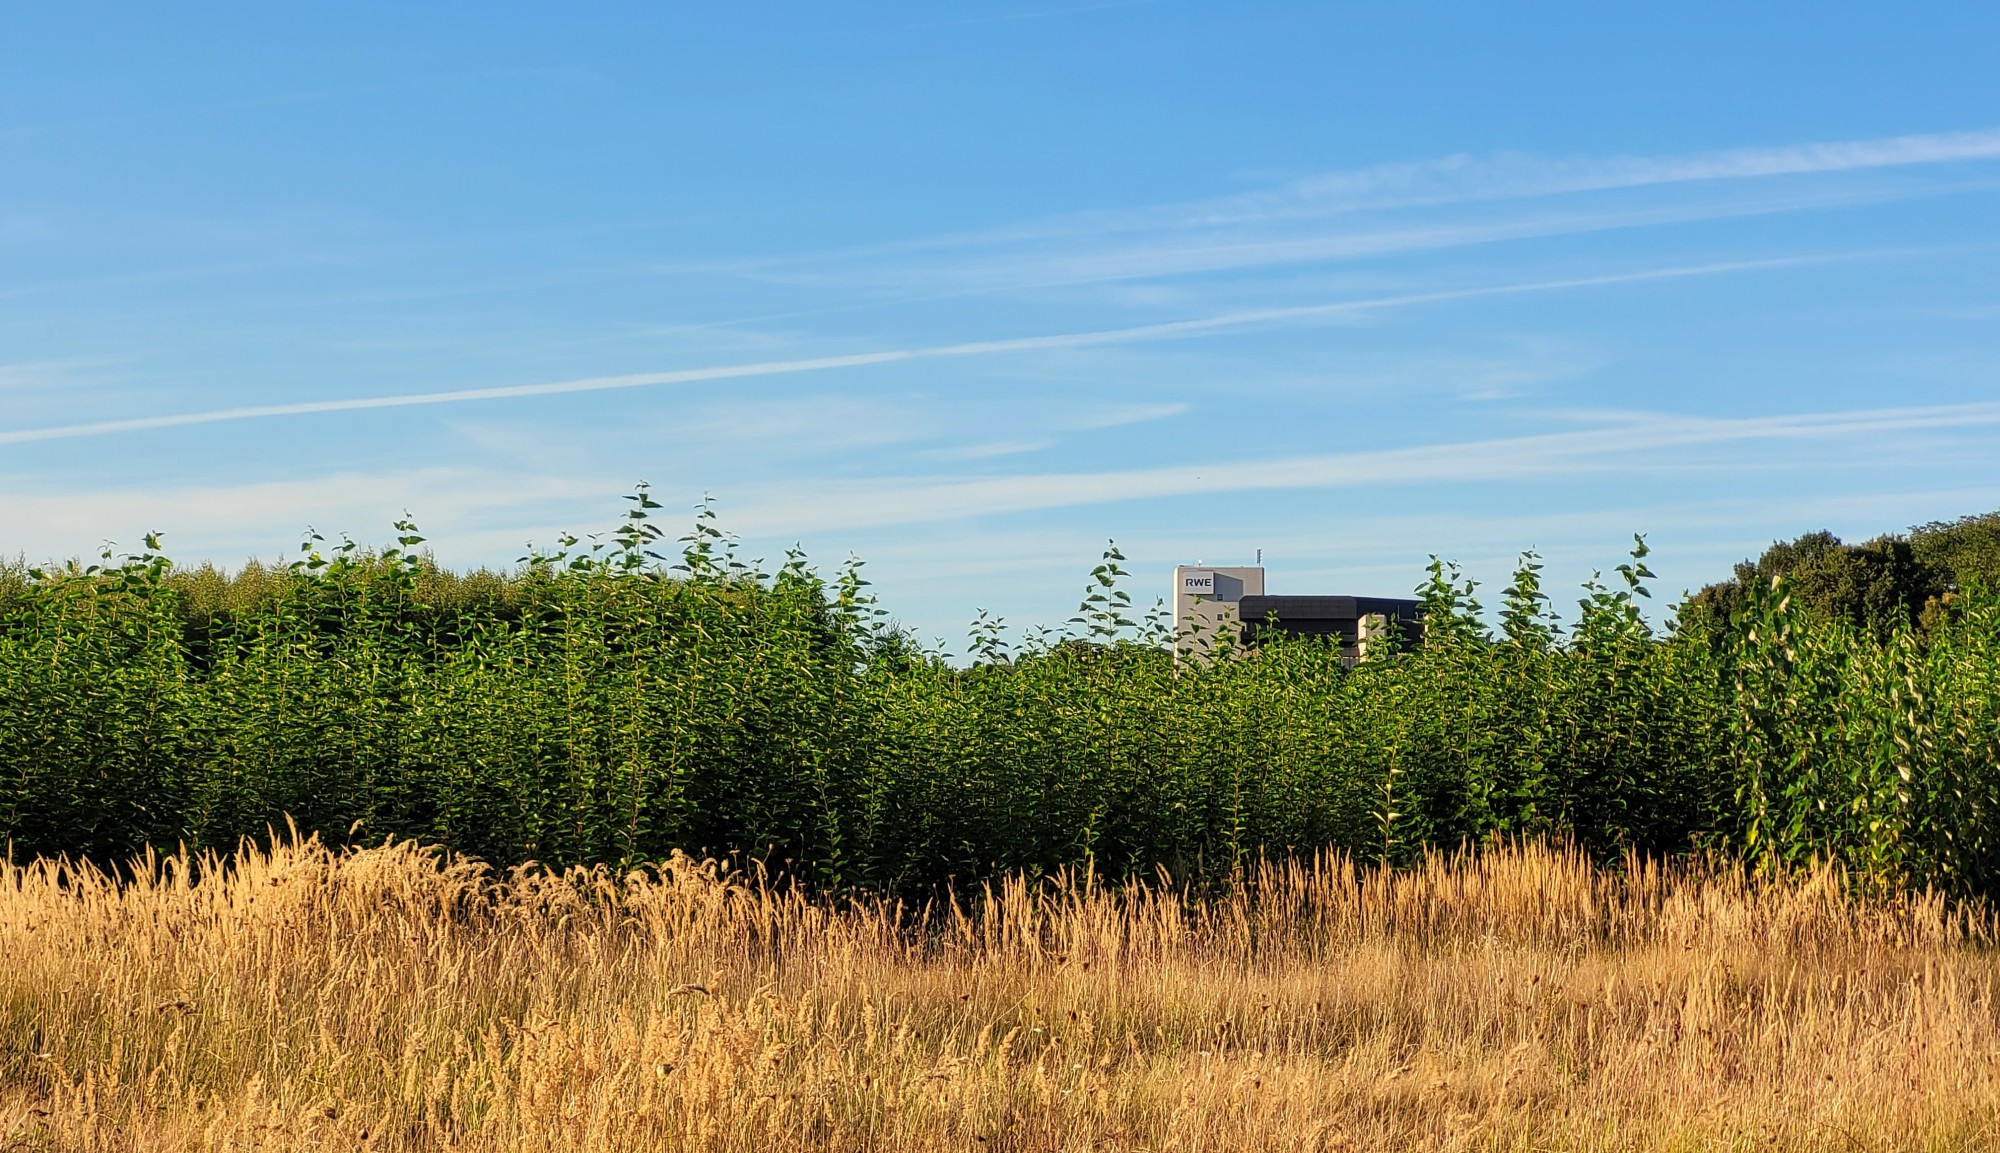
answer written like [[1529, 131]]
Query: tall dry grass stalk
[[1517, 999]]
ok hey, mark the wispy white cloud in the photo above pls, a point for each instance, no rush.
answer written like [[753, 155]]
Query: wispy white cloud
[[484, 511], [35, 375], [1466, 178], [988, 450], [1611, 447], [1706, 535], [1193, 252], [1090, 418], [1292, 224], [1216, 324], [1278, 226], [804, 425], [1520, 366], [1508, 176], [935, 543], [1119, 415]]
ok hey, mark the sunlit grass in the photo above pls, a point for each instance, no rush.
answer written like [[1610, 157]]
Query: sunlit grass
[[1517, 999]]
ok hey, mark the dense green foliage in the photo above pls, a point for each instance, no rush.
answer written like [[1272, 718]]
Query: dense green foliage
[[601, 705], [1879, 584]]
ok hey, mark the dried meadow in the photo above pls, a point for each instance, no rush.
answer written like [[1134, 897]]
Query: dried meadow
[[295, 997]]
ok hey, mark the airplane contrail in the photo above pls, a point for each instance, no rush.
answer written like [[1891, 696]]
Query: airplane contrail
[[1137, 333]]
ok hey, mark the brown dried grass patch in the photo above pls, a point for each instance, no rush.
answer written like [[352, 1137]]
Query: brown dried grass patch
[[1515, 999]]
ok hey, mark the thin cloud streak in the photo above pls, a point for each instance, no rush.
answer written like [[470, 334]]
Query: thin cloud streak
[[1195, 259], [488, 513], [1463, 178], [261, 518], [1196, 254], [1226, 322], [865, 504], [1459, 179]]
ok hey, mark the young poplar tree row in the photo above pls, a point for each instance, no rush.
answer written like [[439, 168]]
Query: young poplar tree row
[[606, 703]]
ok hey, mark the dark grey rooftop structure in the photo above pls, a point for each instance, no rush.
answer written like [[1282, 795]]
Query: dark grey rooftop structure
[[1330, 617]]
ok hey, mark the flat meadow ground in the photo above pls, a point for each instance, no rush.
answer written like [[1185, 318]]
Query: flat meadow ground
[[1518, 998]]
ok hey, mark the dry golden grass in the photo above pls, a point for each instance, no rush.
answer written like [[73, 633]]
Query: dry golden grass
[[1519, 999]]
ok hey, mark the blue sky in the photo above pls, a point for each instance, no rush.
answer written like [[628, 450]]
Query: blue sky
[[967, 289]]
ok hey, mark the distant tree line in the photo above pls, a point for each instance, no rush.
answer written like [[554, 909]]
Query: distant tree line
[[1895, 580]]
